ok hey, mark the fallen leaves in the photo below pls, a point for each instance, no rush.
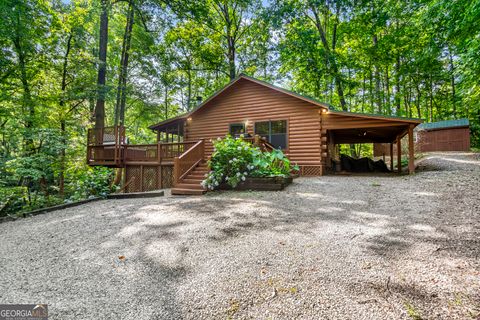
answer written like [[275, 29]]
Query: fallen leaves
[[233, 308]]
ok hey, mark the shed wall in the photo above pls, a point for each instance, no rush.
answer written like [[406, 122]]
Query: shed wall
[[451, 139]]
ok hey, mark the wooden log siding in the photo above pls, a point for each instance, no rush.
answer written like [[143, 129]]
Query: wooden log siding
[[249, 101]]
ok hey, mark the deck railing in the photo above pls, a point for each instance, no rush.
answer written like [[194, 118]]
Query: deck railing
[[106, 136], [142, 153], [174, 149], [187, 161], [105, 145], [155, 152], [260, 142]]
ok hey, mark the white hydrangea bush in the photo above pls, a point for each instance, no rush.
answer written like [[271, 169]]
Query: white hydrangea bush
[[231, 162]]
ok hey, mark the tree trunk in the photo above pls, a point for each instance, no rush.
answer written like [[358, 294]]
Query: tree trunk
[[102, 67], [123, 70], [452, 80], [377, 78], [189, 89], [331, 59], [431, 99], [231, 58], [363, 92], [27, 102], [166, 102], [397, 86], [61, 174], [387, 91]]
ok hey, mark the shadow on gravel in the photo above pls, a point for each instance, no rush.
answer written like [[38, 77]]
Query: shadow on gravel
[[154, 257], [392, 217], [231, 214]]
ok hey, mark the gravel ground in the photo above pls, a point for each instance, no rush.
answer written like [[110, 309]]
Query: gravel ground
[[333, 247]]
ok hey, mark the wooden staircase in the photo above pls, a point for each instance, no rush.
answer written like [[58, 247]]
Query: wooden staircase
[[191, 184]]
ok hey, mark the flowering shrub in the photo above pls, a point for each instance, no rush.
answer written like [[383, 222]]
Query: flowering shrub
[[231, 162], [235, 159]]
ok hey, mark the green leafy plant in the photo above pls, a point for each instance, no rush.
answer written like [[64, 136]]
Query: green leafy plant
[[272, 164], [231, 162], [235, 159], [93, 182], [12, 199]]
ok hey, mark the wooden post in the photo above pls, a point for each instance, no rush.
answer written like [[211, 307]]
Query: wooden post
[[399, 154], [160, 175], [159, 159], [256, 140], [116, 149], [176, 173], [202, 149], [411, 151], [391, 157]]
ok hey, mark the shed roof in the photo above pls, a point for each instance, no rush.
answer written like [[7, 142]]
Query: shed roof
[[444, 124]]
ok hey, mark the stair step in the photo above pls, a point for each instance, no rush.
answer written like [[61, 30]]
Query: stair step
[[196, 176], [198, 171], [181, 191], [192, 180], [189, 186]]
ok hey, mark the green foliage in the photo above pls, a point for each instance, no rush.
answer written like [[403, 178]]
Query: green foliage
[[40, 164], [272, 164], [93, 182], [12, 199], [231, 162], [235, 159]]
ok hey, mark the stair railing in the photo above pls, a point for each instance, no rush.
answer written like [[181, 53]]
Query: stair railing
[[187, 161]]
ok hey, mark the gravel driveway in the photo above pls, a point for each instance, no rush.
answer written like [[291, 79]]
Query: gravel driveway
[[333, 247]]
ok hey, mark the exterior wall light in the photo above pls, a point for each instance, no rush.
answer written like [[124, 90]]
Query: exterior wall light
[[189, 119]]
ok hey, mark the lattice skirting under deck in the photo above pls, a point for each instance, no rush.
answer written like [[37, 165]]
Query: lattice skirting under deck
[[311, 170], [140, 178]]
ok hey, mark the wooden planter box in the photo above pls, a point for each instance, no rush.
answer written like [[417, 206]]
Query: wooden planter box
[[260, 184]]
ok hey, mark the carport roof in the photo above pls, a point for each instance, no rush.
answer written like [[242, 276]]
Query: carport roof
[[350, 127]]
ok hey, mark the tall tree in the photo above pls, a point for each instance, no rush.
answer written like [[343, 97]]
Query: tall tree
[[102, 66], [123, 68]]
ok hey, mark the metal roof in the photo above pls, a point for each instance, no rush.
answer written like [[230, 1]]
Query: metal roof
[[444, 124]]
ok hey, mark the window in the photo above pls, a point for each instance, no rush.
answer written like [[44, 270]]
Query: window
[[237, 129], [274, 131]]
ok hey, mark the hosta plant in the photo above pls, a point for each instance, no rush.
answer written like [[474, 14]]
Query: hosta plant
[[235, 159]]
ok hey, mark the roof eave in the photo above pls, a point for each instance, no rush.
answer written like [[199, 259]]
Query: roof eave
[[165, 122], [379, 117]]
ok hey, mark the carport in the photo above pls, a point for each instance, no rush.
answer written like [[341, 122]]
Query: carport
[[352, 128]]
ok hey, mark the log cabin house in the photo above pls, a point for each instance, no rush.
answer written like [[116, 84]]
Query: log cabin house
[[306, 129]]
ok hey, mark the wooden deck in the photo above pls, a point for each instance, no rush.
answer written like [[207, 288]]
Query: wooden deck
[[181, 165], [112, 151]]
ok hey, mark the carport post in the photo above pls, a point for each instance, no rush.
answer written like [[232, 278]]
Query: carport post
[[391, 156], [411, 151], [399, 154]]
